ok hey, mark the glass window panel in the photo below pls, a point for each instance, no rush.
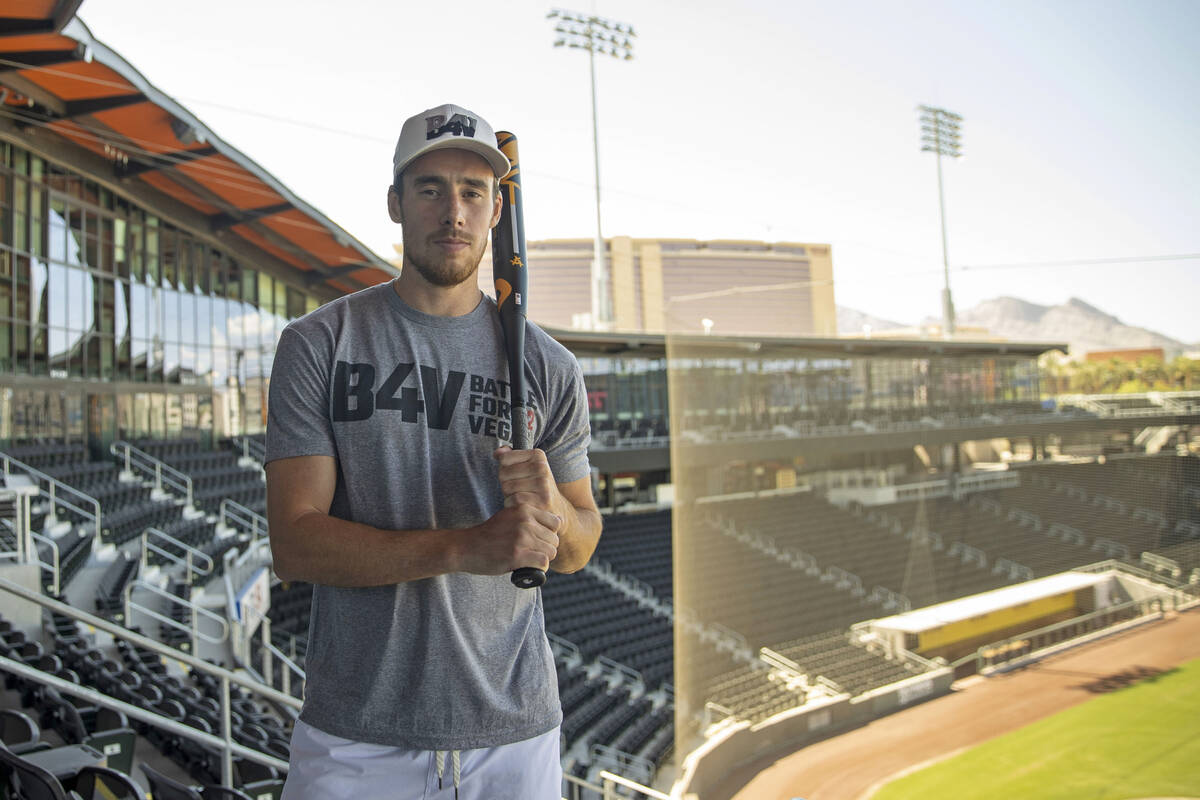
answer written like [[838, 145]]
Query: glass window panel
[[57, 295], [58, 230], [125, 429], [137, 258], [158, 416], [138, 310], [171, 316], [106, 300], [154, 361], [233, 311], [220, 366], [171, 363], [187, 317], [81, 314], [121, 311], [152, 266], [123, 368], [203, 364], [37, 228], [169, 249], [154, 313], [174, 415], [108, 249], [187, 363]]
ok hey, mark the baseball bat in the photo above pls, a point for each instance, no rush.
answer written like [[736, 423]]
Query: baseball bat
[[511, 276]]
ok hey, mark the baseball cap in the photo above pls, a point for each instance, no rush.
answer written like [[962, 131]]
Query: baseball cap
[[447, 126]]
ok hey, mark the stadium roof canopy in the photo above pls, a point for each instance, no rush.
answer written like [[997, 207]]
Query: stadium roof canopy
[[71, 99], [650, 345]]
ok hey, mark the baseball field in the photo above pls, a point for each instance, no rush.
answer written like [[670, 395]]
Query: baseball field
[[1139, 738]]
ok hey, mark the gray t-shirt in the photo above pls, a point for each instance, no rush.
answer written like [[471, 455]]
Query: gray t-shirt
[[412, 406]]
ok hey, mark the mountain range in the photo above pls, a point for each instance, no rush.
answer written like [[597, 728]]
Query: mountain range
[[1083, 327]]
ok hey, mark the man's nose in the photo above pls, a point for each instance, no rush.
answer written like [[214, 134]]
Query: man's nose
[[453, 214]]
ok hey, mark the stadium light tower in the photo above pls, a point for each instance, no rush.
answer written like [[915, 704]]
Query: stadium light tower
[[606, 37], [941, 133]]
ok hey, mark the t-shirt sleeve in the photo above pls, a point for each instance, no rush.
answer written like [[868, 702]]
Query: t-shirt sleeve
[[568, 432], [297, 407]]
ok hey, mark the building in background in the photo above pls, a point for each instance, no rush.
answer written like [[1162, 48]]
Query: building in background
[[728, 288]]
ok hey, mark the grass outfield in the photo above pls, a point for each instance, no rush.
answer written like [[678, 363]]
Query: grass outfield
[[1140, 741]]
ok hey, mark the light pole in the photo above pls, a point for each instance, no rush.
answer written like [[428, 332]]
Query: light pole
[[604, 36], [941, 134]]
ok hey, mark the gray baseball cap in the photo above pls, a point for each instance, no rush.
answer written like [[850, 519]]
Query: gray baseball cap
[[448, 126]]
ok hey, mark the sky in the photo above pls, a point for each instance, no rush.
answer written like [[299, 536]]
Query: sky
[[780, 121]]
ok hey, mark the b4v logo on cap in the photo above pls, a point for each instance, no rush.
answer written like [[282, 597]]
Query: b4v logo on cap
[[459, 125]]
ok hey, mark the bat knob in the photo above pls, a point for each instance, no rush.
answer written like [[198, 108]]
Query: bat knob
[[528, 578]]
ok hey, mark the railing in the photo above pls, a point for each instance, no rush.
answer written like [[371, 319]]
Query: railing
[[246, 519], [161, 472], [579, 789], [270, 652], [21, 498], [251, 448], [224, 742], [54, 566], [54, 488], [193, 630], [188, 559]]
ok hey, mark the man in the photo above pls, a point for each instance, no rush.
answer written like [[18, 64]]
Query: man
[[386, 488]]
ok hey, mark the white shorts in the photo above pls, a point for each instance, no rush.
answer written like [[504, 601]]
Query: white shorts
[[327, 767]]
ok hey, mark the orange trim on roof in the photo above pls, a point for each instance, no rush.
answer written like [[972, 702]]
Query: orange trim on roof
[[185, 195], [299, 228], [35, 41], [221, 176], [79, 80], [261, 242], [31, 9]]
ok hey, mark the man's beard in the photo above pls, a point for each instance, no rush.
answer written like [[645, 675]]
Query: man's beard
[[443, 272]]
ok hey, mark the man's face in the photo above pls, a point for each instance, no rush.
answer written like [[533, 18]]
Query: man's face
[[447, 205]]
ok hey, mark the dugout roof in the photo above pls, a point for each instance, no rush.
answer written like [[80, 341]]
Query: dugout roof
[[64, 93], [925, 619]]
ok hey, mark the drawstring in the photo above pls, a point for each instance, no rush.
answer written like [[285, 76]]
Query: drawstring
[[455, 765]]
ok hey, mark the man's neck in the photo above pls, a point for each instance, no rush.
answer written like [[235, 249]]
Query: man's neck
[[438, 301]]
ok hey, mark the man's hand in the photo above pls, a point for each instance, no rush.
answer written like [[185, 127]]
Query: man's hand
[[528, 483], [526, 479], [514, 537]]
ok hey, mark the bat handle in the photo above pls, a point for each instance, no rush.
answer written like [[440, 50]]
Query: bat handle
[[528, 578]]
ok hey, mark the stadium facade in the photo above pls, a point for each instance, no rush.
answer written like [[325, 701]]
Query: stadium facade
[[146, 267]]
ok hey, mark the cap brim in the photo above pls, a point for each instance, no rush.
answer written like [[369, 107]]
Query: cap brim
[[496, 159]]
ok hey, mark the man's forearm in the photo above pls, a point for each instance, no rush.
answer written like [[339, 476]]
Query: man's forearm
[[318, 548], [577, 538]]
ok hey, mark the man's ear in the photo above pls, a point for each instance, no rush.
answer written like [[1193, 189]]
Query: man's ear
[[497, 206], [393, 203]]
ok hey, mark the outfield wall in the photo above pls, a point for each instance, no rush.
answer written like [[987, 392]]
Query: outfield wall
[[742, 744]]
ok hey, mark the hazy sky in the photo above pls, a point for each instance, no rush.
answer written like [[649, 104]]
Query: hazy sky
[[784, 121]]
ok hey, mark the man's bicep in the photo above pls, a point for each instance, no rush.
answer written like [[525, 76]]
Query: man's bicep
[[299, 485]]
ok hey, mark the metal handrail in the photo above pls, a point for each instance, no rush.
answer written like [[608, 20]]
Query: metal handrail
[[247, 518], [55, 567], [161, 471], [193, 629], [55, 486], [251, 448], [225, 741], [192, 554], [610, 779]]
